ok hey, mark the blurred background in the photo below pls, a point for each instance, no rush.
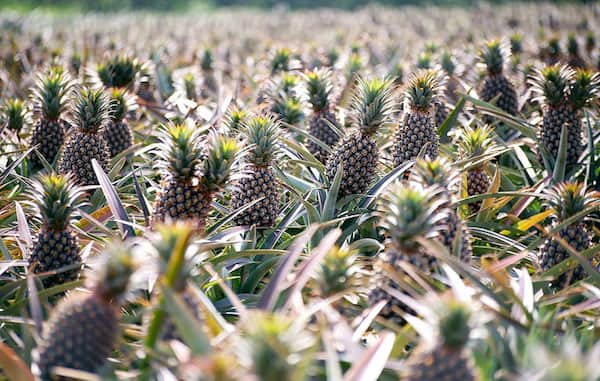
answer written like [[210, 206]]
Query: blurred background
[[184, 5]]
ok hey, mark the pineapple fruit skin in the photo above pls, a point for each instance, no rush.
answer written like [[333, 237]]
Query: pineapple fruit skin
[[358, 155], [478, 182], [552, 252], [54, 250], [550, 130], [118, 137], [319, 128], [498, 84], [260, 183], [448, 235], [441, 113], [441, 364], [182, 200], [78, 154], [417, 131], [49, 136], [80, 335]]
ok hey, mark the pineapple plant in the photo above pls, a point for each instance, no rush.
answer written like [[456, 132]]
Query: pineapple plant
[[566, 200], [444, 354], [209, 81], [449, 66], [590, 43], [190, 176], [357, 152], [473, 145], [50, 96], [320, 87], [259, 185], [574, 58], [90, 116], [234, 121], [117, 72], [55, 198], [563, 94], [417, 133], [495, 85], [552, 53], [284, 99], [117, 133], [336, 272], [84, 328], [14, 115]]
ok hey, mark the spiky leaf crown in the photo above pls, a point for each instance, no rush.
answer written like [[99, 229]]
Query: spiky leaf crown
[[55, 198], [475, 142], [424, 61], [493, 54], [516, 44], [411, 212], [424, 87], [181, 151], [436, 172], [453, 323], [262, 134], [112, 280], [447, 63], [221, 156], [590, 41], [335, 273], [207, 60], [372, 104], [319, 87], [119, 71], [355, 64], [551, 84], [91, 111], [553, 47], [289, 110], [572, 45], [584, 89], [51, 93], [235, 120], [119, 104], [280, 60], [14, 114], [567, 199]]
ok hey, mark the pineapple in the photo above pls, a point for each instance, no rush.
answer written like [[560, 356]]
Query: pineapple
[[50, 96], [14, 115], [565, 200], [408, 213], [438, 172], [357, 152], [496, 85], [285, 103], [117, 133], [417, 132], [452, 86], [262, 135], [119, 72], [590, 43], [280, 60], [84, 328], [563, 93], [90, 115], [191, 177], [552, 53], [446, 357], [574, 59], [336, 273], [234, 121], [55, 198], [319, 88], [208, 73], [474, 144]]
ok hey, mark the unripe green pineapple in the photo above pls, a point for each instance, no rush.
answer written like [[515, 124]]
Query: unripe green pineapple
[[50, 96], [191, 177], [417, 133], [262, 135], [473, 144], [357, 152], [563, 94], [90, 116], [117, 133], [439, 173], [408, 213], [575, 60], [496, 85], [55, 198], [84, 328], [446, 358], [320, 87], [565, 200], [14, 115]]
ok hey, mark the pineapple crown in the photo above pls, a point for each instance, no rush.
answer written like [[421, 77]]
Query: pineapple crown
[[55, 197], [590, 41], [551, 84], [280, 61], [288, 109], [336, 271], [113, 278], [14, 114], [119, 71], [189, 85], [207, 60], [448, 63], [262, 134], [288, 84], [431, 47], [584, 88], [235, 120], [332, 56], [51, 93], [91, 110], [553, 47], [493, 54], [567, 199], [372, 104], [475, 142], [453, 323], [516, 43], [572, 45], [424, 87], [355, 64], [181, 151], [437, 172], [412, 212], [119, 103], [319, 87], [222, 155], [424, 61]]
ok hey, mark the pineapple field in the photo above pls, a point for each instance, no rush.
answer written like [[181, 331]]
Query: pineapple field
[[384, 193]]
